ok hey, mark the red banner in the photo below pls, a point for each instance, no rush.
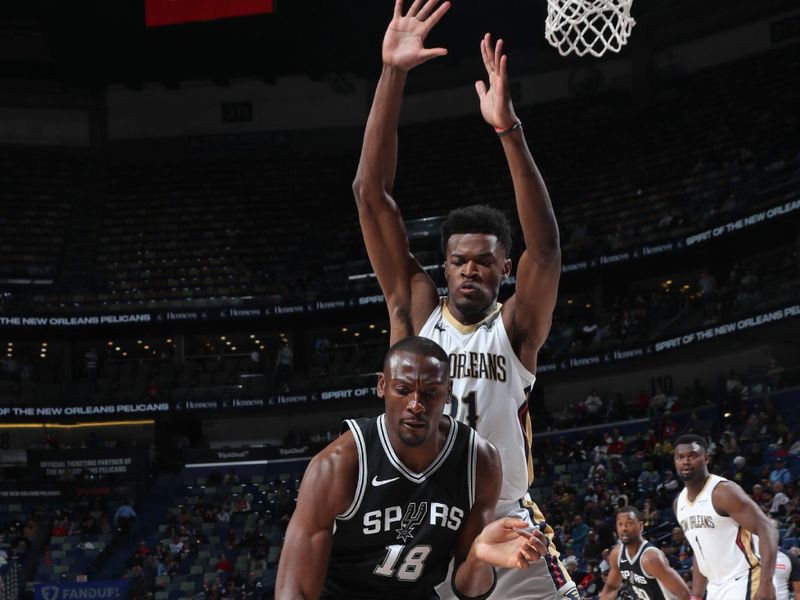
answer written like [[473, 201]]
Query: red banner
[[171, 12]]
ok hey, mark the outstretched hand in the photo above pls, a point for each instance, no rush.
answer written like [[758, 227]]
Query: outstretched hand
[[496, 106], [404, 42], [505, 543]]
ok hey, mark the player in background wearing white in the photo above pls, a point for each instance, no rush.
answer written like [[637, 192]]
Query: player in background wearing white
[[492, 347], [640, 564], [787, 576], [733, 542]]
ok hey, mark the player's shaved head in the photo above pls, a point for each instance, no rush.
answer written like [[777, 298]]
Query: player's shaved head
[[416, 345]]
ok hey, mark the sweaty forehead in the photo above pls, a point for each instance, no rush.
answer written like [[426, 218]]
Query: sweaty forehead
[[473, 243], [406, 365], [686, 448]]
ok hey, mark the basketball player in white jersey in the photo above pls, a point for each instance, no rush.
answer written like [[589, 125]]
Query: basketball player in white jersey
[[640, 564], [733, 542], [492, 348]]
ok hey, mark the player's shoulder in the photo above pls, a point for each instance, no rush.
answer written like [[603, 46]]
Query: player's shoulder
[[341, 455]]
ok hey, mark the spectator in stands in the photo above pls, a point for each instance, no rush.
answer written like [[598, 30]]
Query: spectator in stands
[[252, 588], [579, 532], [657, 404], [648, 480], [780, 473], [650, 513], [242, 505], [666, 490], [592, 551], [176, 546], [594, 407], [573, 567], [678, 540], [774, 375], [591, 585], [223, 514], [779, 500], [124, 517], [231, 479], [616, 446], [284, 365], [223, 565]]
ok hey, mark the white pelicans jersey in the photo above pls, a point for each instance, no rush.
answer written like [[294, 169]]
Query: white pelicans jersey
[[490, 390], [722, 548]]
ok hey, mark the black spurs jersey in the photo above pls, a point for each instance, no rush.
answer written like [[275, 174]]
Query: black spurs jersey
[[643, 585], [397, 537]]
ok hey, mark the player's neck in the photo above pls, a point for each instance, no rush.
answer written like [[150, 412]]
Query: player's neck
[[633, 547], [693, 488], [471, 318]]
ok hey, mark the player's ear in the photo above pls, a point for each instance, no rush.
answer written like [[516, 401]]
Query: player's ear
[[507, 264], [381, 385]]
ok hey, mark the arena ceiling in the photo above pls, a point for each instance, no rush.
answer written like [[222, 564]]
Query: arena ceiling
[[96, 42]]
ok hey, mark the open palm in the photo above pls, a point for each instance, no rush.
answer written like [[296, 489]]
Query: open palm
[[496, 106], [404, 42]]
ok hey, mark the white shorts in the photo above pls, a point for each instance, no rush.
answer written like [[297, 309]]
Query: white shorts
[[546, 579], [741, 586]]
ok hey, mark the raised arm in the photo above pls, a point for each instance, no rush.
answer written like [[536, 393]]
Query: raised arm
[[307, 546], [410, 293], [729, 499], [655, 564], [528, 314], [614, 577], [485, 542]]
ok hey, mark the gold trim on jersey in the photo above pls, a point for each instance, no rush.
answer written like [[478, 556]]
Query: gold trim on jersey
[[755, 580], [460, 327], [700, 493], [529, 441], [744, 540]]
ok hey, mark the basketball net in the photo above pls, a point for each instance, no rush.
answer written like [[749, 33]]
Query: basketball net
[[588, 26]]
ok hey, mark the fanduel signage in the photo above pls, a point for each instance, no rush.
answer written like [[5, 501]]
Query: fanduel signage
[[86, 590]]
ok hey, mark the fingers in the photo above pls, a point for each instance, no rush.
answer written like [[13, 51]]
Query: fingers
[[480, 87], [430, 53], [512, 522], [414, 8], [493, 58], [426, 10], [485, 53], [398, 8], [431, 21]]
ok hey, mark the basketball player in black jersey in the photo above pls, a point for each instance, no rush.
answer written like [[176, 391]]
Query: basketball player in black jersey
[[382, 510], [640, 564]]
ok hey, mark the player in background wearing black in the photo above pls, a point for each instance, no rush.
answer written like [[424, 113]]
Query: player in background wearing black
[[640, 564]]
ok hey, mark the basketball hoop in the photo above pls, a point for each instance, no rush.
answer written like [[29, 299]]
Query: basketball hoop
[[588, 26]]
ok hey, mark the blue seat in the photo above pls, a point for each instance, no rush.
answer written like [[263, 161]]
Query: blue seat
[[789, 543]]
